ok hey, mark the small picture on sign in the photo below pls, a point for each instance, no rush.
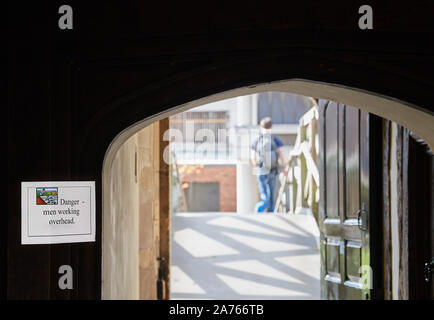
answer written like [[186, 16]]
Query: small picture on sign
[[46, 196]]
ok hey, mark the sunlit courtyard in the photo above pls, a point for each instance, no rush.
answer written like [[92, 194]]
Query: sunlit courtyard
[[245, 256]]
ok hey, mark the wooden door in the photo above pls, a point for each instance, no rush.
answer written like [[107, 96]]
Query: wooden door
[[346, 271]]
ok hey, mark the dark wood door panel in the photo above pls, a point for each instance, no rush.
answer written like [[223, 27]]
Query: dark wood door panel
[[351, 141], [345, 255]]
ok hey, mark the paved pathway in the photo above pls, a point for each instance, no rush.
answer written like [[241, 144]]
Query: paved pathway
[[256, 256]]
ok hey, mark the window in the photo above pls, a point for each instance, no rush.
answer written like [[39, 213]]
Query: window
[[283, 108]]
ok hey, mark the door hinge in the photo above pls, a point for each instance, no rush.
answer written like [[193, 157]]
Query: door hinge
[[428, 270], [161, 282]]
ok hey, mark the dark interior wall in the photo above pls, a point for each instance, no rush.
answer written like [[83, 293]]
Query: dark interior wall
[[420, 213], [70, 92]]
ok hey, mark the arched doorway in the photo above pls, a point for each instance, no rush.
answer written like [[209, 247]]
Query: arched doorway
[[414, 119]]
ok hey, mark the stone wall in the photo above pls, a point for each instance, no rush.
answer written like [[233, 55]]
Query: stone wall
[[131, 234]]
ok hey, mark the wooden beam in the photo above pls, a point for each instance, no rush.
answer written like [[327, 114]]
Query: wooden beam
[[387, 233], [402, 160]]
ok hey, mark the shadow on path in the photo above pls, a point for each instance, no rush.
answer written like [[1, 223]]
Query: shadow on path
[[235, 257]]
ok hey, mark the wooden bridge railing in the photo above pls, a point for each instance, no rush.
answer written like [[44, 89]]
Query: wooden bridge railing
[[300, 187]]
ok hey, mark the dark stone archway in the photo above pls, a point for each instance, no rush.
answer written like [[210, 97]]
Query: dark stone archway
[[81, 88]]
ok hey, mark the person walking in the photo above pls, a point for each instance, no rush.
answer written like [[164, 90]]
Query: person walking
[[266, 156]]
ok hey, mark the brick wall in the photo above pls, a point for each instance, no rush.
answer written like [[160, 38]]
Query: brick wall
[[225, 175]]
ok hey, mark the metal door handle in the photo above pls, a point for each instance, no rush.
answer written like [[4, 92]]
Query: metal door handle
[[361, 212]]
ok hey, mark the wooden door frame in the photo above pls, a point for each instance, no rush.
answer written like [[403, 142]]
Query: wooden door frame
[[375, 207], [409, 149]]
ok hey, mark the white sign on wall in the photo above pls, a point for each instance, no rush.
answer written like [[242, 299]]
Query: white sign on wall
[[57, 212]]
